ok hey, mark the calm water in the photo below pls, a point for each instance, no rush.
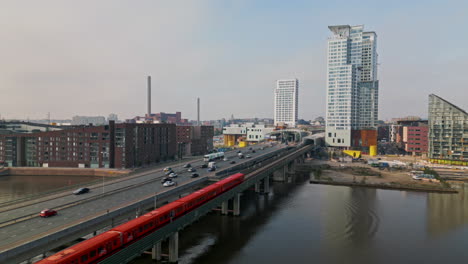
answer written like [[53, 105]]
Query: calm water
[[303, 223], [15, 187]]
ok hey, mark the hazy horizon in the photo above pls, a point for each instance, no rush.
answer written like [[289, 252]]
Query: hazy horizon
[[92, 57]]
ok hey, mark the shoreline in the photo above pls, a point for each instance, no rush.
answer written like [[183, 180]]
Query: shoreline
[[384, 186]]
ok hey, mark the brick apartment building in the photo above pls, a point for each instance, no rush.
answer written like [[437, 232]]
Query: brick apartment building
[[416, 139], [194, 140], [110, 146]]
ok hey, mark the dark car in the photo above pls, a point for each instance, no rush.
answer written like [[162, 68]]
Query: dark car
[[194, 175], [163, 180], [169, 172], [188, 165], [191, 170], [204, 166], [47, 213], [239, 151], [212, 169], [81, 191], [233, 162], [253, 151]]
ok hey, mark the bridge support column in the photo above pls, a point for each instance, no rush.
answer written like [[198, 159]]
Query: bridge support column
[[266, 184], [224, 207], [257, 187], [237, 204], [174, 247], [280, 175], [156, 252]]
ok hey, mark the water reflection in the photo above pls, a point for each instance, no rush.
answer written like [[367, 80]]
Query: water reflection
[[447, 212]]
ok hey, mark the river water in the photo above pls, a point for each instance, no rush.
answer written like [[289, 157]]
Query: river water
[[16, 187], [305, 223]]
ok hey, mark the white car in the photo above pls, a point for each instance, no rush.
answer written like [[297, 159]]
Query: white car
[[168, 183], [173, 175], [225, 159]]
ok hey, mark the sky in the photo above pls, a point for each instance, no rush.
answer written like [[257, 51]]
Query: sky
[[92, 57]]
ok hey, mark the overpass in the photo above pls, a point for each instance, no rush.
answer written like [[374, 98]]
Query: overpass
[[121, 201]]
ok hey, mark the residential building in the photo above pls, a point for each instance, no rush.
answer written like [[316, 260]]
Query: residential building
[[110, 146], [352, 87], [194, 140], [286, 102], [416, 140], [448, 132]]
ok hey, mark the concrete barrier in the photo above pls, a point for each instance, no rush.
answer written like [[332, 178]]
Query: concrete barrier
[[34, 171]]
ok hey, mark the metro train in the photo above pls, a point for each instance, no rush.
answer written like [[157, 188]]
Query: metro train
[[103, 245]]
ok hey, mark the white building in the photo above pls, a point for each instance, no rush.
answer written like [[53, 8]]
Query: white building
[[352, 85], [86, 120], [252, 132], [286, 102]]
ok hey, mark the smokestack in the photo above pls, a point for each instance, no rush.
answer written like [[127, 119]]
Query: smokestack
[[149, 95], [198, 111]]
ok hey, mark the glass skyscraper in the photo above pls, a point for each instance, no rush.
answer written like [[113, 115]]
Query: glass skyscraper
[[352, 85]]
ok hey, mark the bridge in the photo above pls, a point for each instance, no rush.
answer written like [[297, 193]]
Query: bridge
[[124, 199]]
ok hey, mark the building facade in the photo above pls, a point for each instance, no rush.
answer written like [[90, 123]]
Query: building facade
[[249, 132], [416, 139], [194, 140], [352, 85], [286, 102], [448, 132], [109, 146], [86, 120]]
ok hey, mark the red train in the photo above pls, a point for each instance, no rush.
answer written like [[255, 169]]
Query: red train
[[101, 246]]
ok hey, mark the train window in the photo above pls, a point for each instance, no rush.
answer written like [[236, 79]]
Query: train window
[[115, 242], [100, 250], [84, 258], [151, 224], [92, 254], [161, 219], [141, 229]]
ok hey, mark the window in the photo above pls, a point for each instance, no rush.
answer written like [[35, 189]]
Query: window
[[84, 258], [92, 254]]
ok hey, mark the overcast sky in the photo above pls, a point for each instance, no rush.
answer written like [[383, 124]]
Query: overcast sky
[[91, 57]]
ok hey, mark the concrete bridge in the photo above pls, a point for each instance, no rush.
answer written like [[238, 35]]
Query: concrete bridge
[[275, 163]]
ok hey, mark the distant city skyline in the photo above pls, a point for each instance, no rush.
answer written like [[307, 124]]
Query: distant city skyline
[[91, 58]]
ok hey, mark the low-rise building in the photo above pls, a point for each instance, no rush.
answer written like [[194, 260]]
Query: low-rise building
[[249, 132]]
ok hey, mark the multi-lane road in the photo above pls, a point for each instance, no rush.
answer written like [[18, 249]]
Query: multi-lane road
[[76, 208]]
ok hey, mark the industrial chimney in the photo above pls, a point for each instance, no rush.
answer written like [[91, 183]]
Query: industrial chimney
[[198, 111], [149, 96]]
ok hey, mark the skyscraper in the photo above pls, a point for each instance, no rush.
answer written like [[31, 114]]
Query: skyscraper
[[352, 87], [286, 101]]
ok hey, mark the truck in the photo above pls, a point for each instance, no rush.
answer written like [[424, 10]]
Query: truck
[[212, 164]]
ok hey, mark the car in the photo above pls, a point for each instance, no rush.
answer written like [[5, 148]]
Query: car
[[212, 169], [81, 191], [188, 165], [250, 148], [248, 156], [48, 212], [191, 170], [253, 151], [194, 175], [169, 183], [173, 175], [239, 151], [167, 169], [204, 166], [163, 180], [233, 162], [169, 172], [225, 159]]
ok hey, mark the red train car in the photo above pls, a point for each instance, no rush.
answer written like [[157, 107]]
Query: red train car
[[231, 181], [88, 251], [200, 197], [140, 226]]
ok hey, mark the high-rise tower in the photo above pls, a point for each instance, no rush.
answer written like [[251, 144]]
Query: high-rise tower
[[286, 102], [352, 87]]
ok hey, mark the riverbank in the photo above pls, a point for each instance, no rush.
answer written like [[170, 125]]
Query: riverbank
[[362, 175], [33, 171]]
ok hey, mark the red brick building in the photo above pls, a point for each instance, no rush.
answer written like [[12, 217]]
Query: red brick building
[[110, 146], [194, 140], [416, 139]]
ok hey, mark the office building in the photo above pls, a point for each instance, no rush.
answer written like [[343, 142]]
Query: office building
[[286, 102], [448, 137], [352, 87]]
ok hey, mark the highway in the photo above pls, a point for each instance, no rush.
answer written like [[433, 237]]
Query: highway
[[80, 207]]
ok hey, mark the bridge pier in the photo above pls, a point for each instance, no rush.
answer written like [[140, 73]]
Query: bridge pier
[[237, 204], [174, 248], [156, 252], [280, 175], [224, 207], [257, 187], [266, 184]]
